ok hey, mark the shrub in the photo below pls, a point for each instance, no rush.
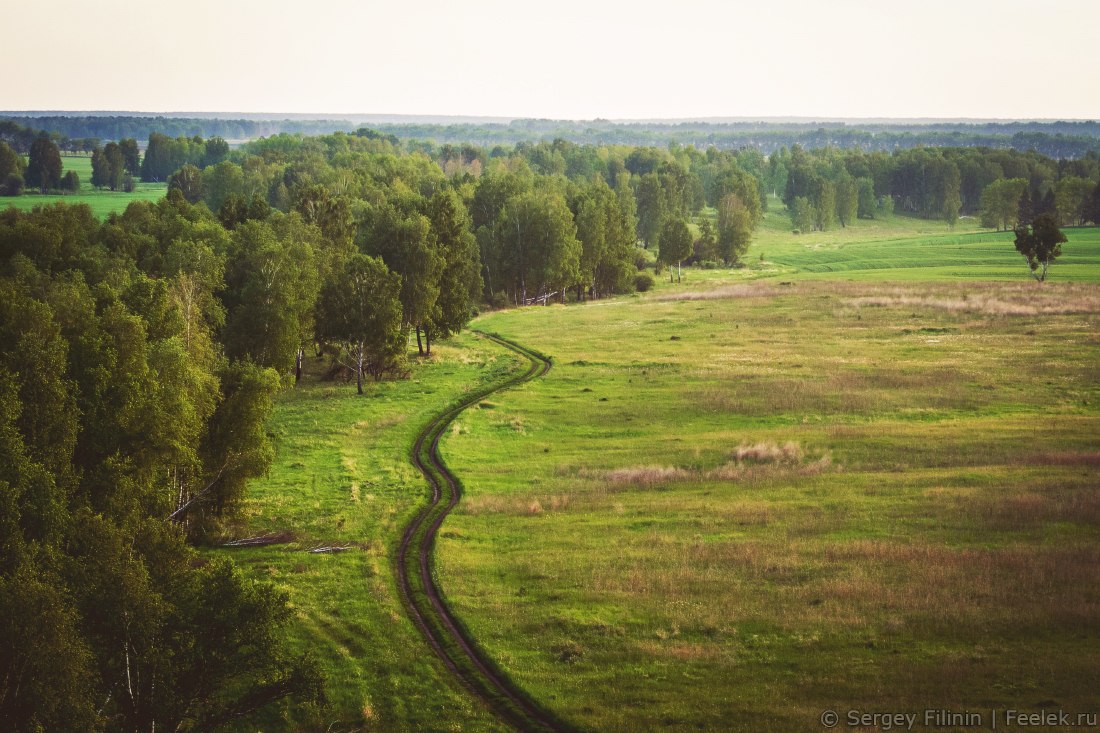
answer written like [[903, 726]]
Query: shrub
[[12, 185], [643, 281], [70, 182], [128, 184]]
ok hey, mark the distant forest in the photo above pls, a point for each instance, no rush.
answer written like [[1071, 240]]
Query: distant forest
[[1054, 139]]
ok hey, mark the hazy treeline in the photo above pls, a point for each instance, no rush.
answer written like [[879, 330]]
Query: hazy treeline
[[117, 127], [1064, 139], [1077, 139]]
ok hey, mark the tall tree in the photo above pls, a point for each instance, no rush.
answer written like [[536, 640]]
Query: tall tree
[[735, 223], [360, 315], [271, 288], [405, 243], [131, 156], [847, 199], [460, 280], [676, 244], [652, 208], [43, 165]]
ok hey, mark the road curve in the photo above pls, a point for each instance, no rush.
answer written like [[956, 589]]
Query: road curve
[[443, 631]]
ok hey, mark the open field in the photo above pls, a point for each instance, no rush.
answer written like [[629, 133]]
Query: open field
[[101, 201], [835, 495], [835, 487]]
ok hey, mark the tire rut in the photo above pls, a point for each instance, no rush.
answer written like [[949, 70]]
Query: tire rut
[[444, 632]]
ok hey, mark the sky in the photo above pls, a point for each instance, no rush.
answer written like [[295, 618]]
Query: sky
[[563, 59]]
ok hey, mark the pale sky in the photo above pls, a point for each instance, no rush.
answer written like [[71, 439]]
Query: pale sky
[[575, 59]]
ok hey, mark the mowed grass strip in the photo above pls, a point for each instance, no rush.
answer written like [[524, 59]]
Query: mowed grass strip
[[733, 513]]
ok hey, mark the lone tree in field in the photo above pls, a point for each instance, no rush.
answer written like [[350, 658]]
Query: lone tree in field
[[1040, 244]]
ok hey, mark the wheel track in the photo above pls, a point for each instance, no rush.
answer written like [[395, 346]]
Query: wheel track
[[445, 633]]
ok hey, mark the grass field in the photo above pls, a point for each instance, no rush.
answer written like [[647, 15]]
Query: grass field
[[836, 478], [835, 495], [101, 201]]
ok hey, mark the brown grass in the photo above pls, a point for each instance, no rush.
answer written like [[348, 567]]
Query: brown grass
[[789, 452], [723, 293], [996, 299]]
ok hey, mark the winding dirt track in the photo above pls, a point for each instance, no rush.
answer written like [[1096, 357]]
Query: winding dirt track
[[444, 632]]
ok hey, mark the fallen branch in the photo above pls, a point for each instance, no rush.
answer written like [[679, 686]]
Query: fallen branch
[[334, 548], [269, 538]]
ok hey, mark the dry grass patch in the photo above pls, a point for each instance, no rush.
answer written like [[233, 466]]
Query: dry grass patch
[[726, 292], [996, 299], [516, 506]]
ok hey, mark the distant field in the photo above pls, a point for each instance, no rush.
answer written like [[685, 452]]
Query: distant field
[[102, 202], [852, 474], [901, 247]]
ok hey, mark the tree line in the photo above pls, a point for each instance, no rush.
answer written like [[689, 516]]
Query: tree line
[[829, 187]]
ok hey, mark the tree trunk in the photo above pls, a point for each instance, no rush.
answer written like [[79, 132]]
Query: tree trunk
[[359, 370], [678, 271], [298, 365], [428, 341], [419, 346]]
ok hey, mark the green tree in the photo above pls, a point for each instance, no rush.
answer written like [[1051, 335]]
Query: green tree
[[188, 180], [131, 156], [536, 247], [70, 182], [1071, 196], [1000, 202], [823, 197], [865, 207], [847, 199], [405, 243], [101, 170], [735, 224], [271, 288], [652, 208], [11, 163], [360, 315], [1040, 244], [1092, 206], [43, 165], [460, 280], [676, 241], [115, 165], [706, 247]]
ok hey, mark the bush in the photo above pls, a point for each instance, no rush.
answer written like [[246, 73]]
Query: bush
[[128, 184], [709, 264], [642, 259], [70, 182], [499, 300], [643, 281], [12, 185]]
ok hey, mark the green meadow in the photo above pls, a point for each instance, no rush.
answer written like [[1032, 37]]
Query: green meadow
[[101, 201], [858, 473]]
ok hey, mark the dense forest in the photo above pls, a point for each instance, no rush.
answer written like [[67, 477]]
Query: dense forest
[[139, 355]]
